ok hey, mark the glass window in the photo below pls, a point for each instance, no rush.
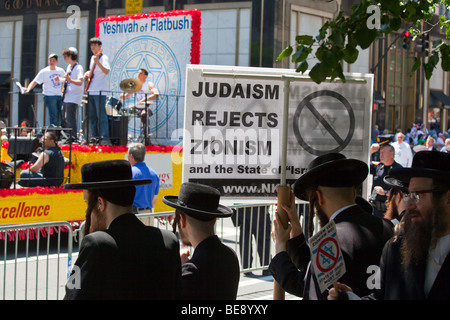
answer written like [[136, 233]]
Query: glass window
[[226, 37]]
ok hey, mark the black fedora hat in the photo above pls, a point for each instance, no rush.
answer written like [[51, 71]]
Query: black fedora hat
[[199, 201], [426, 164], [331, 170], [108, 174], [395, 183]]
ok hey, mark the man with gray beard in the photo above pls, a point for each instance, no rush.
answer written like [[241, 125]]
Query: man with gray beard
[[415, 264]]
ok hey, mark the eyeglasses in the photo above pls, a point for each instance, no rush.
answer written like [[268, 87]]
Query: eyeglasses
[[414, 196]]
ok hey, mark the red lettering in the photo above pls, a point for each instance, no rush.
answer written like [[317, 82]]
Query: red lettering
[[25, 211], [4, 216], [46, 211], [12, 212], [20, 209]]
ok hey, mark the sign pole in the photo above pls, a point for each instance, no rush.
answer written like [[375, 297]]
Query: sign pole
[[283, 190]]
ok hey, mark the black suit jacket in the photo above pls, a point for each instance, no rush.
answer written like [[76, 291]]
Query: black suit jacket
[[400, 284], [212, 273], [127, 261], [361, 237]]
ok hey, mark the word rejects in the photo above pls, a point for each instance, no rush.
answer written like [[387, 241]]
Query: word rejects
[[326, 256]]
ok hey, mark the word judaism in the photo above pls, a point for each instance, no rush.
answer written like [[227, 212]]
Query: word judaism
[[238, 90], [156, 24]]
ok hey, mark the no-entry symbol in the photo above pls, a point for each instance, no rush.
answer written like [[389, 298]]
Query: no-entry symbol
[[316, 109], [327, 254]]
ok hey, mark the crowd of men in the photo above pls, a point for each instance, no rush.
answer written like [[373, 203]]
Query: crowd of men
[[121, 258]]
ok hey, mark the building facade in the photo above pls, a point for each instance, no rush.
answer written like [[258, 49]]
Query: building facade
[[235, 33]]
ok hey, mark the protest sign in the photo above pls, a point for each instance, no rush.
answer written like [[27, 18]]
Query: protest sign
[[233, 125], [326, 256]]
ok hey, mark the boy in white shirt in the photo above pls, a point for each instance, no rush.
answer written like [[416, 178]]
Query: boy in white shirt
[[51, 88], [72, 89], [98, 73]]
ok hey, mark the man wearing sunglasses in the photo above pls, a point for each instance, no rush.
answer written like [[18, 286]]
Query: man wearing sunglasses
[[416, 262]]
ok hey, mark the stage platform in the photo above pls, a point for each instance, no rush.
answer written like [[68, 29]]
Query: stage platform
[[41, 204]]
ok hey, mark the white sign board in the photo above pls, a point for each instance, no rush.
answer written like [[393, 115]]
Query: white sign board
[[162, 164], [234, 120], [326, 256], [162, 43]]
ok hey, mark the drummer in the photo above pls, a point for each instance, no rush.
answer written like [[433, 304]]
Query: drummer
[[148, 88]]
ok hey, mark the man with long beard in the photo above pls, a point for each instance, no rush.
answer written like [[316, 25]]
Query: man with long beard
[[330, 186], [415, 264]]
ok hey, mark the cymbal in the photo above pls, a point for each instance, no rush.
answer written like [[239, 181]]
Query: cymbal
[[130, 85]]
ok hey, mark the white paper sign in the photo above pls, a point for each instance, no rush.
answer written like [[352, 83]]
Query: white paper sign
[[234, 125], [326, 256]]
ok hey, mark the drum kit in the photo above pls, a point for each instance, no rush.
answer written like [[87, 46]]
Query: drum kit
[[114, 107]]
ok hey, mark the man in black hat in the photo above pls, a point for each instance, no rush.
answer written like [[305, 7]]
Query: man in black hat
[[213, 271], [330, 186], [120, 257], [416, 262], [395, 203]]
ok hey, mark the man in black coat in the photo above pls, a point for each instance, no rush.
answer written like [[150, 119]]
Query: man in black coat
[[213, 271], [329, 185], [415, 264], [120, 257]]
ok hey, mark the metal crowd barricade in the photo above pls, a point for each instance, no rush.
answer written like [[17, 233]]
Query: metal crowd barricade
[[252, 233], [30, 274], [250, 239]]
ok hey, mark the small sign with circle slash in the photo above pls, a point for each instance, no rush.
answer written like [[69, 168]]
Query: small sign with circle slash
[[302, 133], [326, 256]]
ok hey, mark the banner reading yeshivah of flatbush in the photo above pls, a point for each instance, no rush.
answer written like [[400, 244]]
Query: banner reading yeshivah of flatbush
[[163, 43], [233, 127]]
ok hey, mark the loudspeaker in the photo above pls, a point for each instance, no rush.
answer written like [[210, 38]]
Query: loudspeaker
[[118, 130], [21, 148]]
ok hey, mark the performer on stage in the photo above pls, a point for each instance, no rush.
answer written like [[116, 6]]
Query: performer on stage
[[147, 88], [142, 99], [96, 88], [72, 89], [51, 88]]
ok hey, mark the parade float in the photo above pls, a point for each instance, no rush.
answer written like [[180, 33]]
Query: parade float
[[163, 43], [44, 204]]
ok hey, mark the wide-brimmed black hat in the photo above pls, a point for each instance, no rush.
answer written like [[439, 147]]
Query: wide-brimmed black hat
[[426, 164], [112, 178], [106, 174], [199, 201], [331, 170], [395, 183]]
